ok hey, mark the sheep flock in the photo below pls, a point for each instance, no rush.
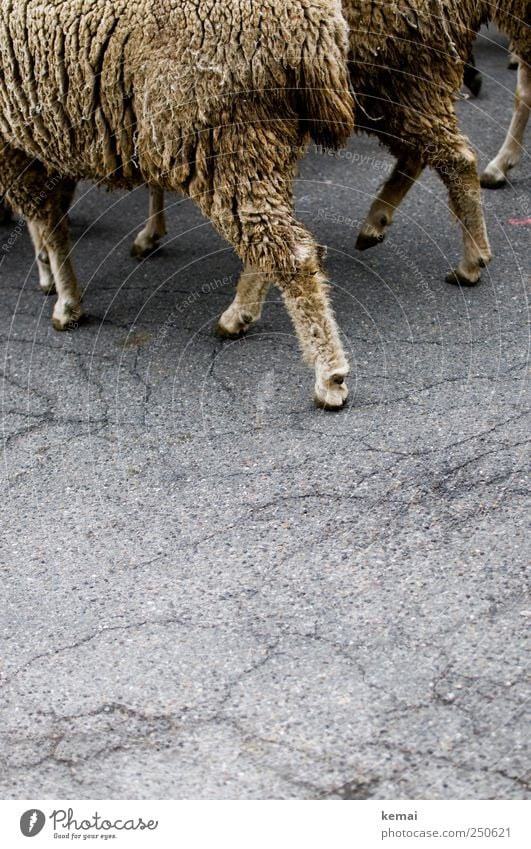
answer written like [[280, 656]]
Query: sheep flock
[[218, 100]]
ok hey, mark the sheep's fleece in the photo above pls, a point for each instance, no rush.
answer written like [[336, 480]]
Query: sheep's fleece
[[86, 85]]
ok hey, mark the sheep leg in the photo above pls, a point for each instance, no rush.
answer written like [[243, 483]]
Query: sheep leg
[[276, 247], [250, 201], [50, 234], [155, 227], [381, 214], [495, 174], [46, 281], [5, 212], [304, 291], [246, 307], [330, 389], [67, 309], [455, 164], [44, 199]]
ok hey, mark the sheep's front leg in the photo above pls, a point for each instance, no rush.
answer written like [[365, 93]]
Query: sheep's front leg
[[46, 281], [246, 307], [155, 227], [510, 153], [389, 198]]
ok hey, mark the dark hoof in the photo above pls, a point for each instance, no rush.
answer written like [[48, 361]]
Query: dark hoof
[[457, 279], [330, 408], [223, 333], [143, 252], [365, 241], [473, 82], [488, 181]]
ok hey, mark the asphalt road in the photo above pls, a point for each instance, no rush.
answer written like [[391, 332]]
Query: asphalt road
[[211, 589]]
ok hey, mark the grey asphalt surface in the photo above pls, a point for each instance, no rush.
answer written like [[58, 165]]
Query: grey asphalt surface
[[211, 589]]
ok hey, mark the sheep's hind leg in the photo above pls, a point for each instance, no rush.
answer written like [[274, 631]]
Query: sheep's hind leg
[[67, 310], [54, 243], [251, 204], [299, 276], [246, 307], [456, 166], [306, 299], [495, 174], [155, 227], [389, 198], [46, 281], [5, 212]]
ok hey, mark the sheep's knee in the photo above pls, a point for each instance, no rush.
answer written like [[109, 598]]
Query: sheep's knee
[[496, 173]]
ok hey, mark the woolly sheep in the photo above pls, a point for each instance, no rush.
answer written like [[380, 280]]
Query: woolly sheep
[[214, 98], [415, 117]]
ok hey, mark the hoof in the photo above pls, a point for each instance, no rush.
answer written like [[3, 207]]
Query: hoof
[[331, 394], [233, 323], [47, 288], [225, 332], [473, 82], [368, 240], [68, 317], [456, 278], [492, 181], [141, 248]]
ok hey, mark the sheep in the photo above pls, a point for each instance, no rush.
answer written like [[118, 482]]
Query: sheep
[[495, 174], [413, 116], [420, 128], [213, 98]]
